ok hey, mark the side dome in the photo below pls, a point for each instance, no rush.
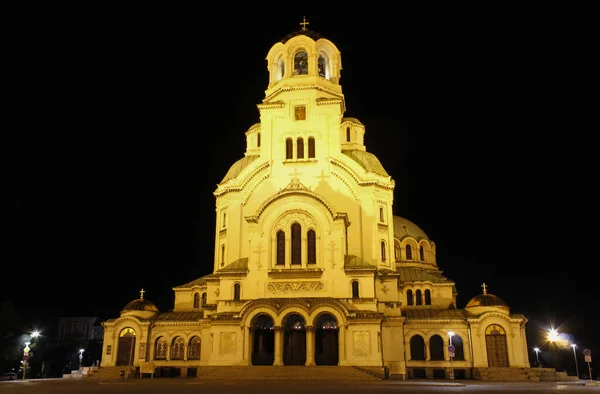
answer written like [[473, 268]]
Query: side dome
[[405, 228], [486, 300], [140, 305]]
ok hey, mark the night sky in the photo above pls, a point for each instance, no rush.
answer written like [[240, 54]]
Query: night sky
[[116, 162]]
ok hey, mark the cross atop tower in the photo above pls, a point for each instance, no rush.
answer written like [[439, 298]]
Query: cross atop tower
[[304, 23], [142, 294], [484, 287]]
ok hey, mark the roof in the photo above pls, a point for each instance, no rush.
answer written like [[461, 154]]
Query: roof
[[486, 299], [196, 282], [238, 167], [427, 313], [353, 120], [140, 305], [308, 33], [351, 261], [405, 228], [367, 160], [179, 316], [410, 274], [238, 265]]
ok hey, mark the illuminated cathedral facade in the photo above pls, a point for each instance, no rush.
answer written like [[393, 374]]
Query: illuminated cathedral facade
[[311, 265]]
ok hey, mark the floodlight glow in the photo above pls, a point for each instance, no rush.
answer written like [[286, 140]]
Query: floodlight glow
[[553, 335]]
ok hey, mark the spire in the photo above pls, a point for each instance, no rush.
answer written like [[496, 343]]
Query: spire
[[484, 287], [304, 23], [142, 294]]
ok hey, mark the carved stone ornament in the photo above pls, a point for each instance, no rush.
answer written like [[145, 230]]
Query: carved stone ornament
[[291, 287]]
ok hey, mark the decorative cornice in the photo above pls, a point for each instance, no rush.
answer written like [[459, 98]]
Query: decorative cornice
[[292, 287], [295, 273], [238, 188], [271, 105], [277, 305], [359, 181]]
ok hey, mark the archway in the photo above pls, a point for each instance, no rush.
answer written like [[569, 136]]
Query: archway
[[263, 340], [497, 349], [294, 351], [126, 347], [326, 340]]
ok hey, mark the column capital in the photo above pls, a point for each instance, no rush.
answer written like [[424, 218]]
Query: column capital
[[310, 328], [278, 328]]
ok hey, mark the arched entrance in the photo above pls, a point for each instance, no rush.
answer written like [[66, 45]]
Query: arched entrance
[[126, 347], [263, 340], [294, 341], [326, 340], [497, 349]]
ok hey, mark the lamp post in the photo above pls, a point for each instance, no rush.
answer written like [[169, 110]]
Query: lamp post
[[575, 355], [537, 355], [81, 357], [450, 335], [36, 334]]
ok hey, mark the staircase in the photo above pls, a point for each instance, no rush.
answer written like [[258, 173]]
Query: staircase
[[520, 374], [107, 373], [291, 372]]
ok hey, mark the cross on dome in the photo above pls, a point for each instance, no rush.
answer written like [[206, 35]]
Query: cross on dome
[[142, 294], [304, 23], [484, 287]]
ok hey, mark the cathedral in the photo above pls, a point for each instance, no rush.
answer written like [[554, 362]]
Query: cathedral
[[311, 265]]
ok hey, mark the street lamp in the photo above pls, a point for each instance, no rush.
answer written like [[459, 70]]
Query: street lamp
[[25, 358], [537, 354], [575, 355], [450, 335], [81, 356]]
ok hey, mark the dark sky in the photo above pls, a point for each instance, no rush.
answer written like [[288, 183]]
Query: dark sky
[[487, 126]]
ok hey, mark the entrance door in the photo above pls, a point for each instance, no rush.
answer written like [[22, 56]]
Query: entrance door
[[126, 348], [263, 341], [294, 351], [326, 341], [497, 349]]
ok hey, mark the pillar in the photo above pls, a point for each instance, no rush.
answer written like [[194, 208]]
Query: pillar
[[278, 356], [310, 346]]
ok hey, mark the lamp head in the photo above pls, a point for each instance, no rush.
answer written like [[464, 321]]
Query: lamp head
[[450, 333], [573, 345], [35, 334], [81, 350], [536, 349]]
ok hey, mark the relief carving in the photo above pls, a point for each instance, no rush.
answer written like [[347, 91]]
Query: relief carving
[[362, 343], [291, 287]]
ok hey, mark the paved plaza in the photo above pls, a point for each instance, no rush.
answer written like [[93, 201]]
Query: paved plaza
[[184, 386]]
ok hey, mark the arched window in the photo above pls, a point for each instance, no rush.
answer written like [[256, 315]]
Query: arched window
[[418, 297], [427, 297], [258, 140], [355, 293], [203, 300], [417, 348], [282, 68], [177, 348], [381, 214], [312, 246], [409, 297], [160, 349], [301, 63], [311, 147], [236, 292], [222, 255], [196, 300], [289, 149], [194, 349], [280, 247], [436, 348], [421, 253], [348, 134], [382, 251], [300, 148], [396, 251], [322, 66], [459, 351], [224, 224], [408, 252], [296, 244]]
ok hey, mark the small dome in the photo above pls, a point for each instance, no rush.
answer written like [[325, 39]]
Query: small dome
[[486, 299], [405, 228], [140, 305], [308, 33]]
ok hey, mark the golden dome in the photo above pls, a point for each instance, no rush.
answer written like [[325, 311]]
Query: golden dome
[[486, 299], [140, 305]]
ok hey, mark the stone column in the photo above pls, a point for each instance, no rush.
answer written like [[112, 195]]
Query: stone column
[[278, 357], [310, 346]]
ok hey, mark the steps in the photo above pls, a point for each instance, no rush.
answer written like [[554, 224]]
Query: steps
[[291, 372], [107, 373], [520, 374]]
